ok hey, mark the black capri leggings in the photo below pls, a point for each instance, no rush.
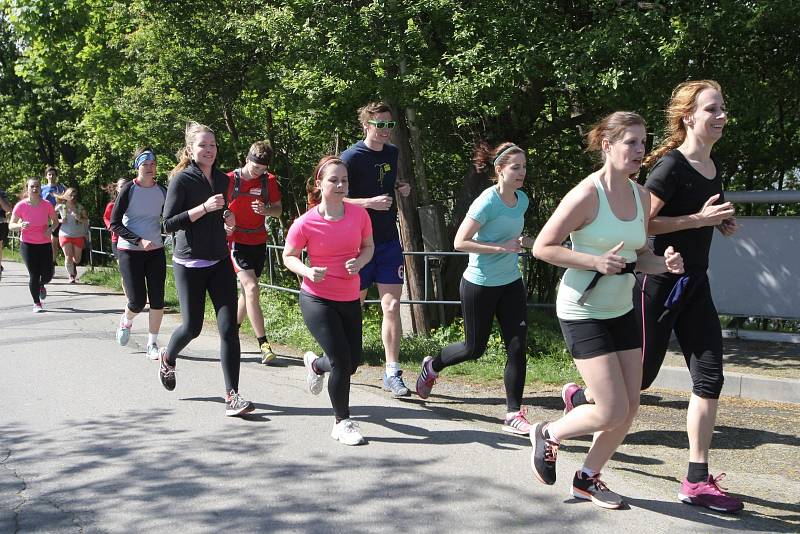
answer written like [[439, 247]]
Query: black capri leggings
[[479, 305], [192, 285], [336, 326], [39, 262], [696, 325], [143, 273]]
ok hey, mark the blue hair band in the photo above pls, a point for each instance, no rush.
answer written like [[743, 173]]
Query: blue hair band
[[147, 155]]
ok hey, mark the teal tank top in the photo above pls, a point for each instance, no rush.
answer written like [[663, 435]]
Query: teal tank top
[[612, 296]]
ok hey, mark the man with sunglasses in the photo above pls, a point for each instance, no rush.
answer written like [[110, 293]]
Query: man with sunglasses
[[372, 170]]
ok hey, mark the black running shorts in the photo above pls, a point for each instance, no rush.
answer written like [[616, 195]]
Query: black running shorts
[[249, 257], [586, 338]]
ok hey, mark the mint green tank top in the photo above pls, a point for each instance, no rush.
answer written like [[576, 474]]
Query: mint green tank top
[[612, 296]]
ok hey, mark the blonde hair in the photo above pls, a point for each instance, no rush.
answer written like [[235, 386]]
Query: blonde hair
[[682, 102], [611, 127], [184, 155]]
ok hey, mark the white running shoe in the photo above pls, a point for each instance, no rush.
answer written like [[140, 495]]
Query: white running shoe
[[347, 432], [38, 307], [152, 351], [315, 381]]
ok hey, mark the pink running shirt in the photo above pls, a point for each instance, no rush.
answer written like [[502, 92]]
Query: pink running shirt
[[36, 233], [330, 244]]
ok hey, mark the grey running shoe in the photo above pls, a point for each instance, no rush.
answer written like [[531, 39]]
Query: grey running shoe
[[236, 405], [314, 381], [152, 351], [593, 489], [42, 293], [395, 384], [123, 334], [543, 456], [166, 372], [347, 432]]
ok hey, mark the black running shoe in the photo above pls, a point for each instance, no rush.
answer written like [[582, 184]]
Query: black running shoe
[[543, 456], [166, 372]]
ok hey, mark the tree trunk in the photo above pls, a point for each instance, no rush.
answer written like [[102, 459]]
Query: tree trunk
[[230, 124], [410, 233]]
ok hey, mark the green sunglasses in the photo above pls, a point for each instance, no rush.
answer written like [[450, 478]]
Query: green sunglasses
[[381, 125]]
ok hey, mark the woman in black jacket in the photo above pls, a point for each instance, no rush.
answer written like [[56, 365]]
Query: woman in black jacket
[[196, 213]]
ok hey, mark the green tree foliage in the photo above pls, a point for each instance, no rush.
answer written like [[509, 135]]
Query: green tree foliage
[[83, 83]]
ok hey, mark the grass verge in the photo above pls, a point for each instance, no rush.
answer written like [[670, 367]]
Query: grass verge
[[547, 359]]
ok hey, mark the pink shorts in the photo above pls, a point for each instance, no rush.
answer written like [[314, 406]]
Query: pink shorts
[[76, 241]]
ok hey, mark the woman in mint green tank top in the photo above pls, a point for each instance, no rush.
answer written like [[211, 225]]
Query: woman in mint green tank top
[[605, 217]]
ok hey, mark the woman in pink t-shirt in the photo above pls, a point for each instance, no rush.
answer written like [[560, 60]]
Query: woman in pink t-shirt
[[338, 240], [34, 218]]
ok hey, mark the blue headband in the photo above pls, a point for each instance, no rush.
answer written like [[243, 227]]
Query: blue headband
[[147, 155], [503, 153]]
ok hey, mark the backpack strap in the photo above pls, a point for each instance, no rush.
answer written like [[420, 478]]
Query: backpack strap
[[264, 190], [237, 182]]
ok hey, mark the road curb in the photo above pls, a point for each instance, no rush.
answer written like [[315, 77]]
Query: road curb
[[736, 385]]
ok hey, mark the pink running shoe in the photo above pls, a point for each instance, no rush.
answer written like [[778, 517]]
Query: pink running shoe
[[710, 495], [426, 379], [518, 423], [566, 395]]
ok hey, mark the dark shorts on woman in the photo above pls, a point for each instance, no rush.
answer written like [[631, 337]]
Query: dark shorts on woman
[[587, 338], [3, 232]]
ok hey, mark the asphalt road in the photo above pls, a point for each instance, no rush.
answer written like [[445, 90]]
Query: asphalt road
[[91, 442]]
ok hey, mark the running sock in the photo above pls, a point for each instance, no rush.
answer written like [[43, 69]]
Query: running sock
[[579, 397], [152, 339], [124, 321], [262, 340], [392, 368], [698, 472], [588, 473]]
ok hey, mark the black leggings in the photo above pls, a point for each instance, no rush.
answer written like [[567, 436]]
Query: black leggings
[[479, 305], [696, 326], [336, 326], [39, 262], [143, 273], [192, 284]]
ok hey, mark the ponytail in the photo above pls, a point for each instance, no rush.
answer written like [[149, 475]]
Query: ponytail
[[487, 158]]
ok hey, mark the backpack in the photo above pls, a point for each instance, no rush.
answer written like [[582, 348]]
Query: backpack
[[237, 182]]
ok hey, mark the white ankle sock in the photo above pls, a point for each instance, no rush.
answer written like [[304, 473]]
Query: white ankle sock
[[588, 472], [392, 368], [152, 339]]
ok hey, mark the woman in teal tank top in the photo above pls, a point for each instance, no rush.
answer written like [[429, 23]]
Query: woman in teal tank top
[[492, 283], [605, 217]]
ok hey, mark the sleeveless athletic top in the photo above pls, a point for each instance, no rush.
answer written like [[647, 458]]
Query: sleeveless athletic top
[[612, 296]]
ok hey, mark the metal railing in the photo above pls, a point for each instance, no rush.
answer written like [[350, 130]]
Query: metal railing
[[274, 252]]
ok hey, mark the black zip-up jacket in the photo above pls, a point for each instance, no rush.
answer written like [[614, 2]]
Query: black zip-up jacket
[[203, 239]]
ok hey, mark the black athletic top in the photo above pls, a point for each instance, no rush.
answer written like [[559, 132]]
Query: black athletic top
[[684, 191], [205, 238]]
